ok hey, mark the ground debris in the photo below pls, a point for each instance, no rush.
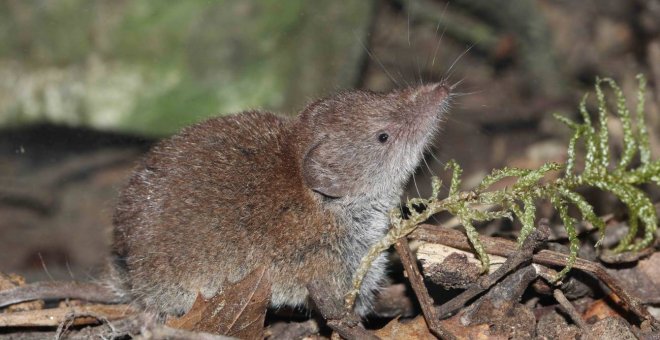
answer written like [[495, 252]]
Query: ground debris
[[239, 310], [394, 302], [611, 328], [82, 315], [642, 278], [10, 281], [408, 329], [450, 267], [291, 330], [552, 325], [501, 309], [508, 123]]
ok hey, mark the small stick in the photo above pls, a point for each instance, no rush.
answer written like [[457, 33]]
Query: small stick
[[417, 282], [143, 326], [547, 257], [70, 318], [351, 332], [59, 290], [502, 247], [505, 294], [568, 307], [55, 316], [538, 236]]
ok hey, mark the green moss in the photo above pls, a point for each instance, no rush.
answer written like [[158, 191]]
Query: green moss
[[518, 200]]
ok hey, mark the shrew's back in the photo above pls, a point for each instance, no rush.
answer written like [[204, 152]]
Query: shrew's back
[[208, 205]]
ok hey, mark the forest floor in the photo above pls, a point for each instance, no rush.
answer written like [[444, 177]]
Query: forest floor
[[59, 186]]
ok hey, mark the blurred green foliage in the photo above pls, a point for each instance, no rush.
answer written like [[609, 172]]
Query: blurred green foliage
[[154, 66]]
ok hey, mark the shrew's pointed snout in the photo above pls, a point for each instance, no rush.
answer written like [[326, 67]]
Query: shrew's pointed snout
[[431, 93], [428, 100]]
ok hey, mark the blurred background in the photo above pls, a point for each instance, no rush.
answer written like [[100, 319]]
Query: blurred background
[[86, 86]]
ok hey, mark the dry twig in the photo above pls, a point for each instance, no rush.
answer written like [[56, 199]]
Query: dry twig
[[417, 282], [502, 247], [537, 237], [570, 310], [85, 315]]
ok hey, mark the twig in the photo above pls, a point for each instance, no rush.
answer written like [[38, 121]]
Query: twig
[[58, 290], [144, 326], [552, 258], [71, 318], [85, 315], [417, 282], [137, 326], [502, 247], [516, 259], [570, 310], [537, 237], [502, 300], [351, 332]]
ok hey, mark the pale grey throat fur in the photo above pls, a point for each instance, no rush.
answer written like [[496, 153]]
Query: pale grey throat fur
[[368, 221], [368, 217], [306, 196]]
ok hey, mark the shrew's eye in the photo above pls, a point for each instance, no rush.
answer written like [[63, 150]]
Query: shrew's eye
[[383, 137]]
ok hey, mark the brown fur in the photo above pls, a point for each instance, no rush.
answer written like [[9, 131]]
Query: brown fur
[[306, 196]]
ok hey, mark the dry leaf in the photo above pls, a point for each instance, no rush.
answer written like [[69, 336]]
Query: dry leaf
[[599, 310], [239, 310], [412, 329], [417, 329], [193, 317], [472, 332]]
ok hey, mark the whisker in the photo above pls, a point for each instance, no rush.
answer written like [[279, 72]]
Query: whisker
[[463, 94], [412, 46], [68, 268], [416, 187], [90, 277], [437, 45], [449, 71], [43, 265], [408, 13], [437, 160], [403, 78], [428, 167], [456, 84], [373, 57], [419, 71]]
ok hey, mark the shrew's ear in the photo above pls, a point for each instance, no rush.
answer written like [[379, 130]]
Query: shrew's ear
[[324, 175]]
